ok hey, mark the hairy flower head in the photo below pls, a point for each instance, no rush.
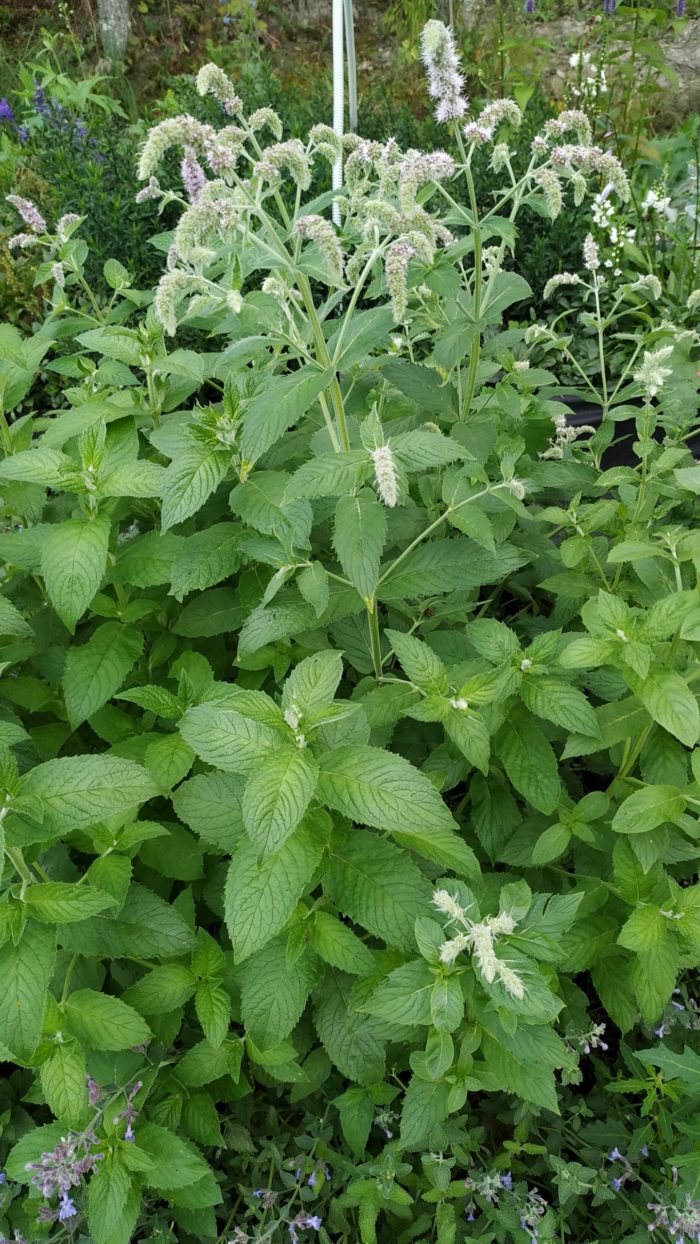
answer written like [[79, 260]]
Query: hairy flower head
[[213, 81], [29, 212], [385, 475], [322, 232], [445, 79]]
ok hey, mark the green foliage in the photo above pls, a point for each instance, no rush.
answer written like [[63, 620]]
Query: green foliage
[[349, 730]]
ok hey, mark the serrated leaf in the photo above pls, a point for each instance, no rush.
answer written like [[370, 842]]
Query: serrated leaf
[[421, 664], [211, 804], [336, 943], [404, 996], [163, 989], [424, 1107], [64, 1083], [224, 738], [61, 902], [213, 1012], [73, 563], [281, 404], [112, 1202], [557, 701], [378, 885], [25, 972], [684, 1067], [529, 761], [205, 558], [102, 1022], [647, 808], [358, 538], [189, 480], [669, 700], [273, 994], [75, 791], [381, 789], [260, 897], [276, 798], [96, 670], [331, 475]]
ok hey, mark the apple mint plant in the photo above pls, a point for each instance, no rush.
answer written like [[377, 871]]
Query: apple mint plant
[[349, 722]]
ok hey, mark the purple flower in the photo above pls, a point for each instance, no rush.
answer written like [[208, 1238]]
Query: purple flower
[[644, 1151], [614, 1155], [680, 8], [529, 6], [67, 1209], [507, 1181], [6, 113], [40, 101], [3, 1177], [616, 1184], [609, 7], [312, 1221], [660, 1031]]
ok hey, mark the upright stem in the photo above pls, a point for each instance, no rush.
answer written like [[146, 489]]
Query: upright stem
[[601, 344], [374, 636], [476, 343]]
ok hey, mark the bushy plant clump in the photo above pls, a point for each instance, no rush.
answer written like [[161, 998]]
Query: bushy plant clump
[[349, 713]]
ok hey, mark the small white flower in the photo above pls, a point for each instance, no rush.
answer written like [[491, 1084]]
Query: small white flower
[[459, 703], [525, 664], [385, 475], [448, 905]]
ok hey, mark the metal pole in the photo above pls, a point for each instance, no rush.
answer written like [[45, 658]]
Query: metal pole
[[338, 96], [352, 65]]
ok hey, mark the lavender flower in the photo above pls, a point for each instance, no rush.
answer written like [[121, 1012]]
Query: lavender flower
[[129, 1113], [29, 212], [445, 79], [64, 1168], [609, 7], [680, 8], [6, 113], [529, 6], [192, 174]]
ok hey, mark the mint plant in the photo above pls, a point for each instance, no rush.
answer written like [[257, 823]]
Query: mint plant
[[349, 714]]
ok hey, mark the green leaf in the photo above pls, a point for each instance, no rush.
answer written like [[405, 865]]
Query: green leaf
[[381, 789], [205, 558], [419, 662], [647, 808], [336, 943], [73, 563], [684, 1067], [64, 1083], [358, 539], [25, 972], [276, 798], [529, 761], [177, 1163], [378, 885], [213, 1012], [112, 1203], [146, 928], [356, 1111], [558, 701], [163, 989], [96, 670], [211, 804], [11, 620], [189, 480], [61, 902], [313, 682], [260, 897], [331, 475], [668, 699], [274, 994], [104, 1023], [404, 996], [351, 1040], [281, 404], [224, 738], [76, 791], [424, 1107]]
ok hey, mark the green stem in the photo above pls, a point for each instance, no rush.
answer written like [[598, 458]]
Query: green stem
[[433, 527], [478, 278], [375, 638]]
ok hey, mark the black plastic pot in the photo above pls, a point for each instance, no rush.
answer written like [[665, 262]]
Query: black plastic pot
[[620, 453]]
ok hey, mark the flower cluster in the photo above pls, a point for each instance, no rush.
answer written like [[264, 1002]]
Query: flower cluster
[[61, 1170], [528, 1205], [591, 79], [682, 1224], [479, 938], [652, 375], [445, 78], [564, 435], [385, 475]]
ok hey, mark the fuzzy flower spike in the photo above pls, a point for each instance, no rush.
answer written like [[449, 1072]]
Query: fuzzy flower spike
[[445, 78], [479, 937]]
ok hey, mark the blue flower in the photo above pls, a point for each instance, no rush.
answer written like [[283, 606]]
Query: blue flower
[[6, 113], [614, 1155], [616, 1184], [67, 1209], [3, 1177], [507, 1181]]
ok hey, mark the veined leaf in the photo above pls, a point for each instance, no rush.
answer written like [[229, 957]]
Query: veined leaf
[[358, 539]]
